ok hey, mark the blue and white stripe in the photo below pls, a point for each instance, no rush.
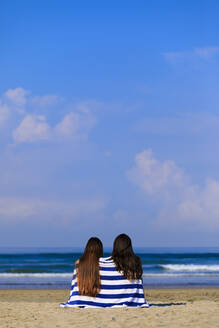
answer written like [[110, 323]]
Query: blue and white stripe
[[116, 290]]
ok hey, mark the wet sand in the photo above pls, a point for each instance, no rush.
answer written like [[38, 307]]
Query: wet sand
[[174, 308]]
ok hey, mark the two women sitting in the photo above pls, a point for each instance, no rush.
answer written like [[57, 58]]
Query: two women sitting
[[114, 281]]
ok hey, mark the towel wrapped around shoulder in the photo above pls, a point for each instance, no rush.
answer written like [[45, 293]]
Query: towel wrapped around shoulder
[[116, 290]]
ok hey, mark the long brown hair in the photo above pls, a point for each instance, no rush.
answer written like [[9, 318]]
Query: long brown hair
[[87, 268], [125, 259]]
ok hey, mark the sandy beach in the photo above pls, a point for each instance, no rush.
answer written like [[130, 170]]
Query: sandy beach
[[177, 308]]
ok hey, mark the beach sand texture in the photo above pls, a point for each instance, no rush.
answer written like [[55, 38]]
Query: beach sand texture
[[40, 309]]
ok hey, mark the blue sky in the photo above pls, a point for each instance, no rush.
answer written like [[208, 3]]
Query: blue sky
[[109, 122]]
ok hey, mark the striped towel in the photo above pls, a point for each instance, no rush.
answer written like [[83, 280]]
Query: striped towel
[[116, 290]]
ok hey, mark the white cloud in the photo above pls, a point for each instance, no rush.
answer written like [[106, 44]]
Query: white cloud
[[17, 96], [78, 120], [4, 113], [46, 100], [15, 208], [175, 56], [178, 200], [205, 53], [32, 128], [201, 204], [69, 126], [13, 100], [153, 176], [75, 124], [18, 208]]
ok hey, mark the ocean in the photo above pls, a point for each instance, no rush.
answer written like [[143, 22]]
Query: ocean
[[45, 268]]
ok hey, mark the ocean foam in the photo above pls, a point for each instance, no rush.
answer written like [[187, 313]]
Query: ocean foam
[[172, 275], [190, 267], [69, 276], [36, 275]]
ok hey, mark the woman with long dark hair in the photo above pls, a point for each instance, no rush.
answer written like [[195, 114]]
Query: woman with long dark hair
[[125, 259], [115, 281]]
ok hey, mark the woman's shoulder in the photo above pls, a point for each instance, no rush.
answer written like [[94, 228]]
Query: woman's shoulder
[[77, 262]]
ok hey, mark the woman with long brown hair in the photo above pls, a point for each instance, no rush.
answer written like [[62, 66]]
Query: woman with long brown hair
[[87, 268]]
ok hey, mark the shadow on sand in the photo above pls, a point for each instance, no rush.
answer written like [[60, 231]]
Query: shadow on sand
[[166, 304]]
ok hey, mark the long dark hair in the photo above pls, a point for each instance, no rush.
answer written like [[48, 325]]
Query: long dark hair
[[87, 268], [125, 259]]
